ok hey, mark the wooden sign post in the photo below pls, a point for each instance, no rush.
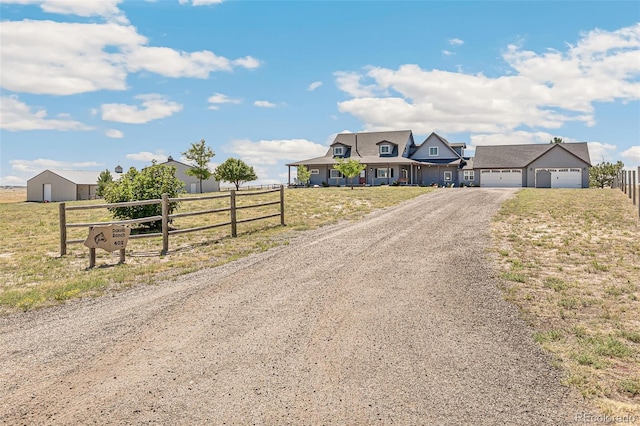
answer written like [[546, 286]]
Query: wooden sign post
[[110, 238]]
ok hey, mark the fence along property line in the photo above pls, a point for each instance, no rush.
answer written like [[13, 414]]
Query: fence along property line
[[165, 216], [627, 182]]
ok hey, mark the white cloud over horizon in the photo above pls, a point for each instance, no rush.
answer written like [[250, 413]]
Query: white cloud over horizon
[[154, 107], [546, 91], [270, 152], [67, 58], [17, 116], [148, 157]]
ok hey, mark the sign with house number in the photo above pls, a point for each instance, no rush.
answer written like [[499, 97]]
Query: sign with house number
[[108, 237]]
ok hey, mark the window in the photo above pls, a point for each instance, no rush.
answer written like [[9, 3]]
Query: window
[[448, 176], [338, 150], [469, 175], [335, 174], [385, 149], [433, 151], [384, 173], [315, 171]]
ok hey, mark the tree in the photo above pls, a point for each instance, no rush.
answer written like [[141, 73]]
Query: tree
[[304, 175], [146, 184], [199, 154], [104, 180], [234, 171], [603, 174], [350, 168], [556, 140]]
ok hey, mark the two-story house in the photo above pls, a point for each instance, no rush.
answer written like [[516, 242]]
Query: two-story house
[[390, 156]]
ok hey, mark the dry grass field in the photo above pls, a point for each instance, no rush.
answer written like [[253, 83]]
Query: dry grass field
[[33, 275], [13, 195], [571, 262]]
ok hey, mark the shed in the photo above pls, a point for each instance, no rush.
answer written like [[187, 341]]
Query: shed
[[63, 185], [192, 183]]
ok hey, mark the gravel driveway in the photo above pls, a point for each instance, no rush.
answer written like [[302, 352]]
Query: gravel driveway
[[394, 319]]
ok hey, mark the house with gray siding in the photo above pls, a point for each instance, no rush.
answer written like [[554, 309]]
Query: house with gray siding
[[394, 157], [390, 157]]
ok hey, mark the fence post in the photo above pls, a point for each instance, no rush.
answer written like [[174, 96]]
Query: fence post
[[631, 182], [232, 205], [165, 223], [92, 257], [63, 229], [282, 205]]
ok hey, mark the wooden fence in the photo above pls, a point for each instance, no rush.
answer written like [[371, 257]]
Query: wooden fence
[[627, 182], [165, 216]]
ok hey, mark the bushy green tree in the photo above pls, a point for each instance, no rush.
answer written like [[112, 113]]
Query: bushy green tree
[[304, 175], [234, 171], [104, 180], [147, 184], [556, 140], [350, 168], [199, 155], [603, 174]]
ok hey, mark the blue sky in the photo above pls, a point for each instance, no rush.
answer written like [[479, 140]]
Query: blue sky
[[87, 85]]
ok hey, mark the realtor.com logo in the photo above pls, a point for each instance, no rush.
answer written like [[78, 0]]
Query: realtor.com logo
[[605, 419]]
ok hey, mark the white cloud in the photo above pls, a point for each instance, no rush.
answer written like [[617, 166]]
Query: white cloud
[[270, 152], [349, 82], [148, 157], [63, 58], [114, 133], [512, 138], [40, 164], [104, 8], [447, 53], [455, 42], [546, 90], [200, 2], [313, 86], [264, 104], [11, 180], [154, 107], [17, 116], [219, 98], [599, 152], [633, 155]]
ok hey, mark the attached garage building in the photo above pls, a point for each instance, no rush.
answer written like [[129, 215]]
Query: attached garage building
[[560, 165], [63, 185]]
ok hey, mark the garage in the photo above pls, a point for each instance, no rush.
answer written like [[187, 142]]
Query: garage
[[566, 178], [501, 178]]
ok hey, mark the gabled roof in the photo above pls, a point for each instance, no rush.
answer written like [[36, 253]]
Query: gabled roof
[[520, 156], [444, 142], [366, 141], [79, 177]]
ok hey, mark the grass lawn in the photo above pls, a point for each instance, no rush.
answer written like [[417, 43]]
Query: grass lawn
[[33, 275], [570, 259]]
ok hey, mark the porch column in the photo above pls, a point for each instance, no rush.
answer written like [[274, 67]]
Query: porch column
[[289, 178]]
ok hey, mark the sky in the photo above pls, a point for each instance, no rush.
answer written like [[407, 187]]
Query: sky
[[88, 85]]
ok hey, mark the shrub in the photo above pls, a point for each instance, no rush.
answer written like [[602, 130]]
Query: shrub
[[147, 184]]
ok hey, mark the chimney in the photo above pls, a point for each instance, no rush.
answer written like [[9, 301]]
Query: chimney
[[118, 169]]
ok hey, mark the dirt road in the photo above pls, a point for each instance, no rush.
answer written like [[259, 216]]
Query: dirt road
[[395, 319]]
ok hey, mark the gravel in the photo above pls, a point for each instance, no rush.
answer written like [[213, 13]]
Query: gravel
[[394, 319]]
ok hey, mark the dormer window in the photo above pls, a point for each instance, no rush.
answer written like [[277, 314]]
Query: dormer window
[[385, 149], [338, 150], [433, 151]]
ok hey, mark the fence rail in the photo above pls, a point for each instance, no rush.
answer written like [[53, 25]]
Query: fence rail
[[165, 216], [627, 182]]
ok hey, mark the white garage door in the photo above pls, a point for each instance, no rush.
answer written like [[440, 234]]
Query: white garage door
[[566, 178], [501, 178]]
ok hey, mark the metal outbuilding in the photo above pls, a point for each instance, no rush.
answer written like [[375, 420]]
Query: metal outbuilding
[[63, 185]]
